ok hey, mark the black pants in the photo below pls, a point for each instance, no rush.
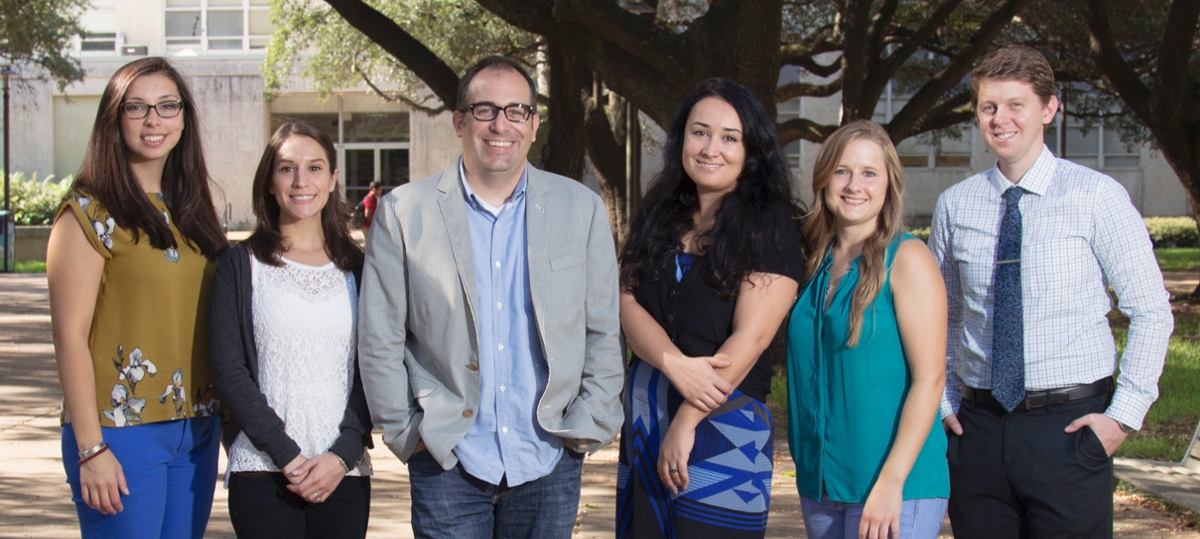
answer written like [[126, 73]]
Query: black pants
[[261, 507], [1019, 475]]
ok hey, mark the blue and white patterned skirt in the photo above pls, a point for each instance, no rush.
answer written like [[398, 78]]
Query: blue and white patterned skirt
[[729, 470]]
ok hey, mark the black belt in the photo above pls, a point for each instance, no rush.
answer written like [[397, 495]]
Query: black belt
[[1041, 399]]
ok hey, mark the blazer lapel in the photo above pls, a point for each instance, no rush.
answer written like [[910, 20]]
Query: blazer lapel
[[538, 212], [454, 218]]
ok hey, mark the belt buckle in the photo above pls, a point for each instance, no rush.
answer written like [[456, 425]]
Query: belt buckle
[[1057, 397]]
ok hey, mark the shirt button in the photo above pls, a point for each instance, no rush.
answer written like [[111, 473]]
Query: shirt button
[[473, 365], [502, 389], [499, 305], [504, 430], [497, 263], [671, 293], [670, 319], [468, 413], [500, 346]]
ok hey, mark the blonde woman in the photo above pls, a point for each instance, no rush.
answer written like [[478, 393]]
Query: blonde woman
[[866, 353]]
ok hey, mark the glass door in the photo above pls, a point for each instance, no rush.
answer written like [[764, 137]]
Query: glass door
[[363, 163]]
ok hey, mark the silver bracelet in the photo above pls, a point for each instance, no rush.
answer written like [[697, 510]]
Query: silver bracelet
[[344, 467], [93, 450]]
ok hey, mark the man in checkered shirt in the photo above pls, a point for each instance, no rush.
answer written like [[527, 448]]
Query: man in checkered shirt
[[1041, 464]]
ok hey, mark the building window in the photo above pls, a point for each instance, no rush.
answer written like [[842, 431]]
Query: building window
[[949, 152], [195, 27], [99, 42], [100, 36], [1097, 146], [793, 108]]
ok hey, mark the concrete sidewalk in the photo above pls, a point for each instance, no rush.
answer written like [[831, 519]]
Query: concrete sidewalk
[[35, 500]]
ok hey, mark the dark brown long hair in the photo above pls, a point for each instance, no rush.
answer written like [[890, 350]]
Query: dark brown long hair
[[107, 177], [267, 242]]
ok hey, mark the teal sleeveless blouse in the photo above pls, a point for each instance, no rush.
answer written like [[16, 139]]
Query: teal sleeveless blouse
[[844, 404]]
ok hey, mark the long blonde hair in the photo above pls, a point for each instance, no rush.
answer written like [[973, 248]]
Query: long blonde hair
[[820, 226]]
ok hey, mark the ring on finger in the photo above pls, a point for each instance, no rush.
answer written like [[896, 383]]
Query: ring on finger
[[674, 470]]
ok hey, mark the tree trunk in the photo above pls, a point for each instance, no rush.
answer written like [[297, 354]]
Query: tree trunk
[[607, 151], [1189, 174], [570, 81]]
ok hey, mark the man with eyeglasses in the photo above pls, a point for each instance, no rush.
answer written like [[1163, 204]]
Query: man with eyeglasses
[[488, 326]]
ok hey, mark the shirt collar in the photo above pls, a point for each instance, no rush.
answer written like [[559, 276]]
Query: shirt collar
[[471, 198], [1036, 180]]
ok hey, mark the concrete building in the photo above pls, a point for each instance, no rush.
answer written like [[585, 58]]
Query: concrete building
[[219, 46], [1153, 187]]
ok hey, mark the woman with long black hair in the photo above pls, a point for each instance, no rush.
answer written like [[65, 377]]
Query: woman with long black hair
[[708, 273]]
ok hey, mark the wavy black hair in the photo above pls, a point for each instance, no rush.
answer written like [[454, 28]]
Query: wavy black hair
[[746, 223]]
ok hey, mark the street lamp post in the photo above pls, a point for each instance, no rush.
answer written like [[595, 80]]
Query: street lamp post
[[6, 224], [6, 72]]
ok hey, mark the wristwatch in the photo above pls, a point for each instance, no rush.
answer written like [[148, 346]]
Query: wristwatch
[[1126, 428]]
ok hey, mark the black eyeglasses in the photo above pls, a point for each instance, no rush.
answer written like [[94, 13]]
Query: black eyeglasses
[[166, 109], [486, 112]]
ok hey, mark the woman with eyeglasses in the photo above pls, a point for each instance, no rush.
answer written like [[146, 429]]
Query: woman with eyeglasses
[[129, 262]]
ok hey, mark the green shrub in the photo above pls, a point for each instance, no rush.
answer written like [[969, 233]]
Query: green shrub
[[33, 201], [1173, 231], [1165, 232], [922, 233]]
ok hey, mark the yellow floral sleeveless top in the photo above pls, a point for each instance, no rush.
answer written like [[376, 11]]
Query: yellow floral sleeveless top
[[149, 334]]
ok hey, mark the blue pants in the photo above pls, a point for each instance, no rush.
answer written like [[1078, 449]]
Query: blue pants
[[919, 519], [452, 504], [171, 471]]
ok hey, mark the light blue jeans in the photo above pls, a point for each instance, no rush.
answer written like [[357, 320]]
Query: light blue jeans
[[919, 519]]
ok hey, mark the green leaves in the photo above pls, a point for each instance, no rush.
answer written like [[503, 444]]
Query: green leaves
[[311, 40], [34, 201], [36, 38]]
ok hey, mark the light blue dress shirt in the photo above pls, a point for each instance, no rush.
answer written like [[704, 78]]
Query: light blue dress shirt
[[506, 441], [1080, 236]]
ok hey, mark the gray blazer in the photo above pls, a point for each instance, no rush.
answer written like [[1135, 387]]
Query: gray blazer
[[418, 337]]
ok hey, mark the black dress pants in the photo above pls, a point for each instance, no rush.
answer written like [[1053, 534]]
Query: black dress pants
[[261, 507], [1019, 475]]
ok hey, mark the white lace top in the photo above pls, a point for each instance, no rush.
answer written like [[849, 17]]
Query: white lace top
[[304, 326]]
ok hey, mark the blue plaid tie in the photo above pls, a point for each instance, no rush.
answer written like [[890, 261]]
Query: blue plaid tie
[[1008, 324]]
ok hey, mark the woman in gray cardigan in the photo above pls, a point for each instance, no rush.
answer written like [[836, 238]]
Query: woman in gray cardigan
[[282, 315]]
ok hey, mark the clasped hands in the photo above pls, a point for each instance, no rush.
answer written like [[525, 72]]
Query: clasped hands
[[316, 478], [697, 380]]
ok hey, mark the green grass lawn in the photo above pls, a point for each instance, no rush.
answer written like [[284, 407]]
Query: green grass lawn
[[1169, 426], [1172, 420], [1178, 259], [31, 267]]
